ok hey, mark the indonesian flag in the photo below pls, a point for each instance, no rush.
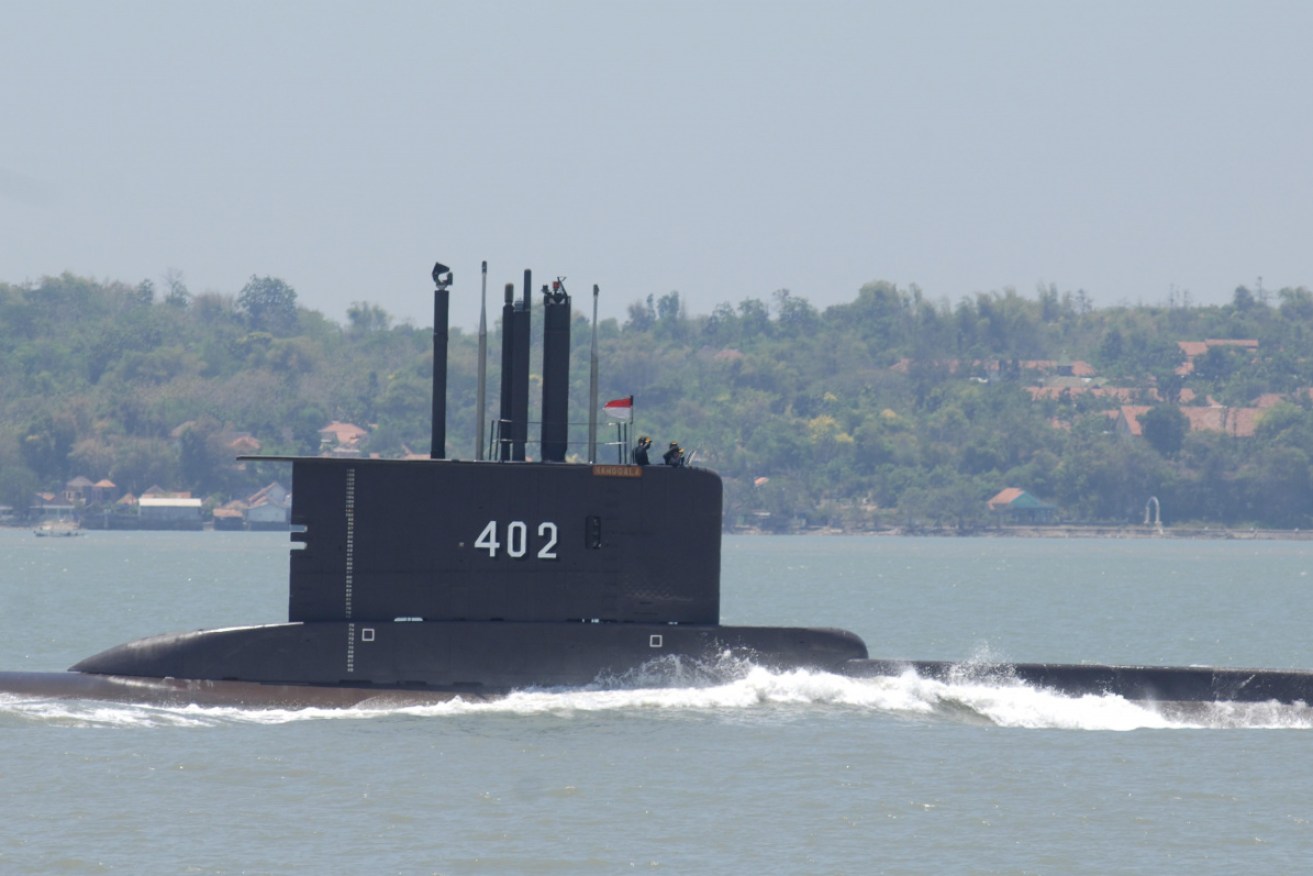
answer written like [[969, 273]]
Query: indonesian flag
[[621, 409]]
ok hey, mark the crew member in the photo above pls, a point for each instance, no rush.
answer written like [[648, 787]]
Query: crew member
[[674, 456], [640, 452]]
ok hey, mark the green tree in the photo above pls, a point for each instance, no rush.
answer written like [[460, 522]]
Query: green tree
[[671, 322], [642, 316], [17, 482], [364, 318], [196, 456], [45, 445], [177, 295], [1164, 427], [1296, 305], [796, 317], [1219, 363], [1281, 487], [268, 304], [145, 292]]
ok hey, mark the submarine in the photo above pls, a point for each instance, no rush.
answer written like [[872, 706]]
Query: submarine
[[422, 580]]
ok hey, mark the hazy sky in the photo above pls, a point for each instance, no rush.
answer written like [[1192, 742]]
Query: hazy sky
[[724, 150]]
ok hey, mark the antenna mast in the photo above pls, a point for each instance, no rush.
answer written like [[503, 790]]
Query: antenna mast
[[483, 368], [592, 387], [441, 296]]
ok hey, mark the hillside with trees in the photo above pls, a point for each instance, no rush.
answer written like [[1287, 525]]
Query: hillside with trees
[[889, 410]]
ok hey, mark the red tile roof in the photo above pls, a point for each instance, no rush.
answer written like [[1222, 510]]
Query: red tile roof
[[1128, 420], [1192, 349], [343, 434], [1005, 497], [1240, 422], [1237, 422]]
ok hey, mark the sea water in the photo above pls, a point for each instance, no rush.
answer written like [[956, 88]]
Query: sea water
[[747, 772]]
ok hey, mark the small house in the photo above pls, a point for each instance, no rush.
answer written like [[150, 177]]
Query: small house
[[1015, 505], [269, 508], [169, 513]]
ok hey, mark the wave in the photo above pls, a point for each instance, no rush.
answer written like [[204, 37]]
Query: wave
[[730, 689]]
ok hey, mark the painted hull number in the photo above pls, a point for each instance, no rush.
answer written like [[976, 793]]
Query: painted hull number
[[516, 544]]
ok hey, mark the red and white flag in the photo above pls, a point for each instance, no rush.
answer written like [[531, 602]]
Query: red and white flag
[[621, 409]]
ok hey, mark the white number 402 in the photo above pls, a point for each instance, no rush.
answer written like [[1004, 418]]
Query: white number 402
[[517, 539]]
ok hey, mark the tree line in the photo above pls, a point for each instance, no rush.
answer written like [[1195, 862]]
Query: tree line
[[888, 410]]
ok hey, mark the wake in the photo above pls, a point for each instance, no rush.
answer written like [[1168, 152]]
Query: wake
[[726, 690]]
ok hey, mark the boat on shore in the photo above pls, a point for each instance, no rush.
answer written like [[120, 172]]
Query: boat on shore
[[62, 527]]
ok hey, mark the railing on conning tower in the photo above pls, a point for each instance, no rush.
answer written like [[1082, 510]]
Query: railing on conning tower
[[499, 437]]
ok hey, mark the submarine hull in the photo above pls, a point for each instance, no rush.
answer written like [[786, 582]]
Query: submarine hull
[[1159, 684], [468, 656], [1142, 683], [209, 693]]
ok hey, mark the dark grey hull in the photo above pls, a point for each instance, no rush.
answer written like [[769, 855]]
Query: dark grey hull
[[461, 656], [1142, 683], [207, 692], [340, 665]]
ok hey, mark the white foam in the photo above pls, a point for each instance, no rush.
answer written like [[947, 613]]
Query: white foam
[[748, 690]]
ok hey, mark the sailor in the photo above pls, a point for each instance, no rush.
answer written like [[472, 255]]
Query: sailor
[[674, 456], [640, 452]]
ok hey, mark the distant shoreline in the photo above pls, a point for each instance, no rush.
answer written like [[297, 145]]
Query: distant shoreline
[[1057, 530], [1204, 532], [1066, 531]]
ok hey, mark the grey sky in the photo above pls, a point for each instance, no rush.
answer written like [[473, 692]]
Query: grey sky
[[724, 150]]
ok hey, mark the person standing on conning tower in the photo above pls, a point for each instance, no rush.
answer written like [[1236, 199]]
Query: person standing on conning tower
[[674, 456], [640, 452]]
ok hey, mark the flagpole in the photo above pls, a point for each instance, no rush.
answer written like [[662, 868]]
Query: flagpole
[[483, 366], [620, 413], [592, 387]]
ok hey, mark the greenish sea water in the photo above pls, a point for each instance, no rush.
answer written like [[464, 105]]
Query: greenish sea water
[[769, 773]]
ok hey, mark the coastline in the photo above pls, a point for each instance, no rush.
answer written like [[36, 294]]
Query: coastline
[[1059, 530], [1096, 531], [1055, 530]]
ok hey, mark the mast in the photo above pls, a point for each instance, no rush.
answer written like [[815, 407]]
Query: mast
[[521, 318], [556, 371], [481, 415], [507, 369], [592, 387], [438, 436]]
